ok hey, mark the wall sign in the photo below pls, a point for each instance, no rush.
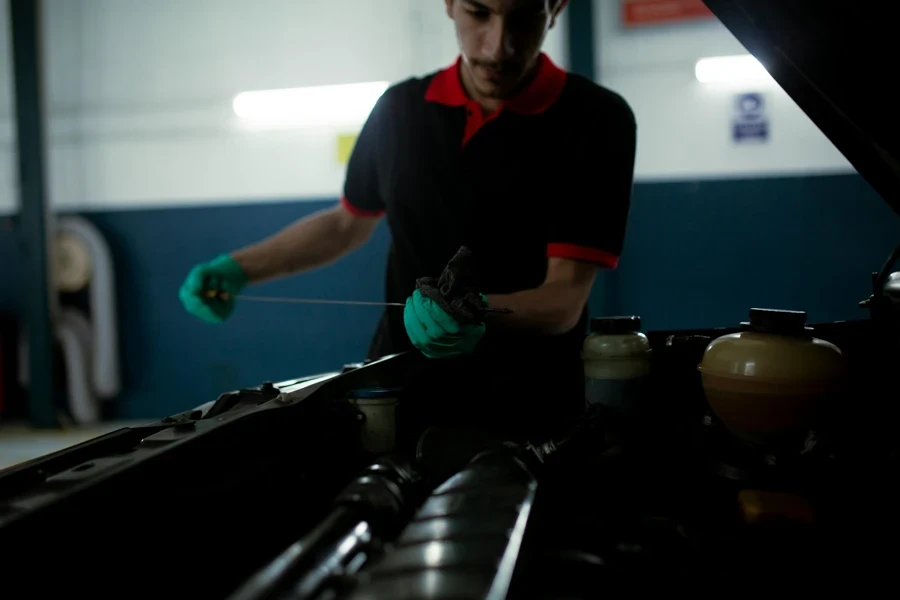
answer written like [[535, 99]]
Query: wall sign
[[637, 13], [750, 122], [344, 147]]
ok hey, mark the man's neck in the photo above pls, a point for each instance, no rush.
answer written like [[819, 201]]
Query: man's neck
[[488, 105], [492, 105]]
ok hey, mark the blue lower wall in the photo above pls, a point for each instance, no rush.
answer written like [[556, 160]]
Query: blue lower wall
[[698, 254], [702, 253]]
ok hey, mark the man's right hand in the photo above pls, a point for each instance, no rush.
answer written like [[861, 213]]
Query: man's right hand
[[208, 291]]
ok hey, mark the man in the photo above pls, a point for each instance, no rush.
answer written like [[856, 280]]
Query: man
[[503, 152]]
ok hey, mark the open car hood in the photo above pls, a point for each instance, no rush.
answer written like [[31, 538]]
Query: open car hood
[[837, 59]]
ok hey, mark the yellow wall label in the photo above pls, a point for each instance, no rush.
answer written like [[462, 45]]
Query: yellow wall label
[[345, 143]]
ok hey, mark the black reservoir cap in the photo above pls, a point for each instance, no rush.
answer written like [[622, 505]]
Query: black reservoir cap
[[616, 325]]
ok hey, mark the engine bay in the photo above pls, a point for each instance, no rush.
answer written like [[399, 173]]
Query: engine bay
[[270, 492]]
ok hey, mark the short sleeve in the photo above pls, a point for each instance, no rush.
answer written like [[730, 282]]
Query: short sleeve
[[591, 218], [362, 195]]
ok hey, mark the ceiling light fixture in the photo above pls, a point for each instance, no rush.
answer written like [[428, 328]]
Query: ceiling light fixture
[[731, 69], [309, 106]]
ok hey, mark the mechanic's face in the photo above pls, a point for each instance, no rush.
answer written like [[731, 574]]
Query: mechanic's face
[[500, 40]]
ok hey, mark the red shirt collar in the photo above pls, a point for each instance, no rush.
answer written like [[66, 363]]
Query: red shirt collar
[[446, 88]]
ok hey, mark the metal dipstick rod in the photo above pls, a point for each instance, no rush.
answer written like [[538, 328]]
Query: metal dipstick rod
[[315, 301], [225, 296]]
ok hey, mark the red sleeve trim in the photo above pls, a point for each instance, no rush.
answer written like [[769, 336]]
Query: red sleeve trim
[[360, 212], [594, 255]]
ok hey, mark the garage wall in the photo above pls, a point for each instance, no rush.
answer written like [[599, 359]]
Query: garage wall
[[143, 141], [685, 125], [140, 94], [717, 226]]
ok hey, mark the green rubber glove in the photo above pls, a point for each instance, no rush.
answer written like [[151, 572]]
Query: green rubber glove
[[435, 333], [197, 293]]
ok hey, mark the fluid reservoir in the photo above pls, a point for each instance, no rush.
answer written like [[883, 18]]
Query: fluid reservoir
[[616, 358], [769, 380], [379, 405]]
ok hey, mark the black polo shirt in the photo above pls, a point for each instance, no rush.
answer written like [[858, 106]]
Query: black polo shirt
[[547, 175]]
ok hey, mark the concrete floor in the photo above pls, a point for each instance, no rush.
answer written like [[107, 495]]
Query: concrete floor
[[19, 442]]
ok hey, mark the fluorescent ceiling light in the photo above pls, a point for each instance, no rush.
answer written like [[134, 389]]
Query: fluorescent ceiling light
[[731, 69], [321, 105]]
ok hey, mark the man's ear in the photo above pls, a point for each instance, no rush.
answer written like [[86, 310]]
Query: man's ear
[[449, 4], [560, 5]]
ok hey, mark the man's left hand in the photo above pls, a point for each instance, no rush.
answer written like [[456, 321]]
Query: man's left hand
[[434, 332]]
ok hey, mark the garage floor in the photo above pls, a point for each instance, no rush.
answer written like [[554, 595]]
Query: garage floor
[[20, 442]]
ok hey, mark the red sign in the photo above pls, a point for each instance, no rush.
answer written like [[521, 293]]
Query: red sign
[[653, 12]]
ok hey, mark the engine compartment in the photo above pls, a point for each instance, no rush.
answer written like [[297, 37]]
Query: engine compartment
[[267, 493]]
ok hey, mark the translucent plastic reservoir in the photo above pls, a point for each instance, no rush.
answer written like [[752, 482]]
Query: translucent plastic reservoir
[[616, 358]]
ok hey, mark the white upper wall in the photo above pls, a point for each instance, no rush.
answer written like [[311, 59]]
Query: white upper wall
[[140, 91], [139, 96], [684, 126]]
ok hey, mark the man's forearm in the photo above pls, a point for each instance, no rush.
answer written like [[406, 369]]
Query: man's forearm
[[550, 309], [311, 242]]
